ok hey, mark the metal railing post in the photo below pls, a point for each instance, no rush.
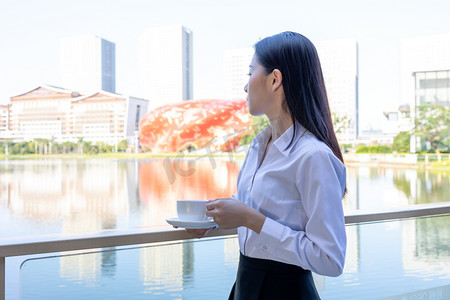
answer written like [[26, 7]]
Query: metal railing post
[[2, 279]]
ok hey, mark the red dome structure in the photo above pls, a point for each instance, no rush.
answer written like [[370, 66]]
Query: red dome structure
[[215, 124]]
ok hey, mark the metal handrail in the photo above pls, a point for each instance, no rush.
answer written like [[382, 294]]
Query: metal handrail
[[111, 238]]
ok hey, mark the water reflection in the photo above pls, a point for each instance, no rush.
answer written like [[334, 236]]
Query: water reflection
[[166, 268], [394, 257], [371, 188], [67, 196], [384, 259], [426, 244], [160, 186], [52, 196]]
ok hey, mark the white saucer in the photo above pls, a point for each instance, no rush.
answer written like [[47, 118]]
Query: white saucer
[[191, 224]]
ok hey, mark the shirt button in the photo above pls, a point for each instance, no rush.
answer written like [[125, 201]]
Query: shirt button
[[264, 247]]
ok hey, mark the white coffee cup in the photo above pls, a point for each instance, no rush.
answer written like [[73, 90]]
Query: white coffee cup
[[192, 210]]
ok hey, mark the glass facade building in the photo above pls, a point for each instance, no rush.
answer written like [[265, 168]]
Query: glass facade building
[[432, 88]]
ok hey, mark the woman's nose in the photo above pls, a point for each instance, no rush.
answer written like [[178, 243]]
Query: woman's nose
[[246, 88]]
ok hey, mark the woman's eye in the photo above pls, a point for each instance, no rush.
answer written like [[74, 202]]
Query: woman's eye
[[249, 74]]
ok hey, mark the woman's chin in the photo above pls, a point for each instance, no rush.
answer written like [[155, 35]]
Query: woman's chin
[[255, 114]]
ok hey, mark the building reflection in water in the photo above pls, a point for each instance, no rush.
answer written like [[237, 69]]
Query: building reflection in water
[[425, 246], [163, 182], [74, 196], [371, 188], [166, 268], [231, 251]]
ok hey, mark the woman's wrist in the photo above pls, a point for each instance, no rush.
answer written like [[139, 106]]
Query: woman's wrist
[[254, 220]]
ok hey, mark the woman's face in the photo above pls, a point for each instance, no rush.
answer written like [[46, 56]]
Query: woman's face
[[258, 89]]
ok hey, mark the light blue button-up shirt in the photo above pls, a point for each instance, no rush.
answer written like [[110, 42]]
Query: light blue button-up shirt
[[299, 189]]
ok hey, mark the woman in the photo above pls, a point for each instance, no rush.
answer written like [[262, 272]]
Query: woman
[[288, 206]]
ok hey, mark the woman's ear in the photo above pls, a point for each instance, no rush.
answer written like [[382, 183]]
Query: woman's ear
[[277, 79]]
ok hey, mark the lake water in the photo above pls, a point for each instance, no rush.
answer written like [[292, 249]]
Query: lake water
[[73, 196]]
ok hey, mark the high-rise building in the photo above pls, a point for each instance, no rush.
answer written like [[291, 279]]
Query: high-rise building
[[424, 65], [235, 69], [166, 69], [88, 63], [339, 61], [424, 75]]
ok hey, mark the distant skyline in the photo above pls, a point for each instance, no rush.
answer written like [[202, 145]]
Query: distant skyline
[[31, 31], [88, 64], [165, 65]]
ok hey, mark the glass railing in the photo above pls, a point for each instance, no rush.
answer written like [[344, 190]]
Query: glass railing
[[200, 269], [391, 254], [385, 260], [402, 259]]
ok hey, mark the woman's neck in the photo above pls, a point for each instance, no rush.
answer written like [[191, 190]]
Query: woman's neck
[[279, 124]]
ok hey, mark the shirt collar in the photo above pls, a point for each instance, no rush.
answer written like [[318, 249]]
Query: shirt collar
[[283, 141]]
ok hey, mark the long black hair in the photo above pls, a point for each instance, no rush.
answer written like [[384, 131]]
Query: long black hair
[[306, 98]]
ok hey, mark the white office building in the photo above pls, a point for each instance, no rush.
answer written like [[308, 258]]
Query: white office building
[[427, 56], [235, 69], [339, 61], [56, 113], [88, 63], [4, 120], [166, 68], [424, 74]]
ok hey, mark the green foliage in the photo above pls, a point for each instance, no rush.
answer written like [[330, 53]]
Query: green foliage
[[44, 146], [402, 142], [122, 146], [432, 124], [402, 184], [104, 148], [374, 149], [345, 147], [340, 122], [258, 125], [89, 148]]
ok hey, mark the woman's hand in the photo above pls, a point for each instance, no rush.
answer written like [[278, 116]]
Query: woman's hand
[[197, 233], [232, 213]]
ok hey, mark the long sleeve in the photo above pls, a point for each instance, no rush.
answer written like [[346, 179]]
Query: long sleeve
[[321, 246]]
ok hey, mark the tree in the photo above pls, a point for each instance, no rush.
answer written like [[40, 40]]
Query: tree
[[122, 145], [258, 125], [401, 142], [340, 122], [7, 143], [80, 145], [432, 124]]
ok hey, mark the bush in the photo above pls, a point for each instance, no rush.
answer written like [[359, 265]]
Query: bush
[[374, 149], [38, 145], [122, 146], [258, 125], [362, 149], [401, 142]]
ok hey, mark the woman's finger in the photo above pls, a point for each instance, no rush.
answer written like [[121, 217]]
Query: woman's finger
[[211, 205]]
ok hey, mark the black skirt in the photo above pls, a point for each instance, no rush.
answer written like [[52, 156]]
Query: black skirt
[[268, 279]]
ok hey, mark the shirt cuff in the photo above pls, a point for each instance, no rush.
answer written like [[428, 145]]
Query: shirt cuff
[[269, 238]]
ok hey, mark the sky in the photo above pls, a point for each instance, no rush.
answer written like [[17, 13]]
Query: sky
[[30, 32]]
